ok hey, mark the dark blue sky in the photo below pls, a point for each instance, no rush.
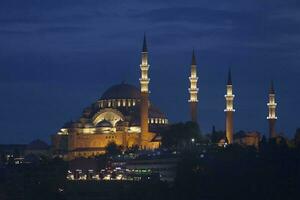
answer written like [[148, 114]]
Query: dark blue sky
[[58, 56]]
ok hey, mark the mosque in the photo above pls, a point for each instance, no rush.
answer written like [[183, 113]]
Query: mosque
[[125, 116]]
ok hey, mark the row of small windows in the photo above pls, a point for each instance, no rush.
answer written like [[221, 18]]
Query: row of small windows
[[157, 121], [118, 103], [110, 137], [88, 154]]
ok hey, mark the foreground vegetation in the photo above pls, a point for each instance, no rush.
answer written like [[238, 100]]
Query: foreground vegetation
[[205, 171]]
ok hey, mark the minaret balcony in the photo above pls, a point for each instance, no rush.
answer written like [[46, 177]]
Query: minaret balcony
[[193, 90], [144, 66], [271, 117], [229, 95], [193, 100], [193, 78], [229, 110]]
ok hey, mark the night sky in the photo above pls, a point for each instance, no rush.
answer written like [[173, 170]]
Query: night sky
[[59, 56]]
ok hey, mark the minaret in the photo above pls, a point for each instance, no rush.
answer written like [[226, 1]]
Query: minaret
[[272, 112], [229, 109], [193, 90], [144, 81]]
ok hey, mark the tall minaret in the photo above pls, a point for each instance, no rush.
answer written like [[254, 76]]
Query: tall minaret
[[144, 81], [272, 112], [193, 90], [229, 109]]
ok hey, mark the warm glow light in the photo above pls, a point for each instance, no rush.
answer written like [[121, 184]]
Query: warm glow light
[[229, 99], [272, 107], [193, 90]]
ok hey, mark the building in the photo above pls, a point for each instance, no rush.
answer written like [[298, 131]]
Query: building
[[251, 138], [38, 148], [229, 97], [23, 153], [272, 112], [123, 115], [164, 165], [193, 90], [10, 152]]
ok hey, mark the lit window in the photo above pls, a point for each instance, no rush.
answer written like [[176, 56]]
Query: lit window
[[119, 103], [109, 103], [156, 121], [133, 102], [124, 102], [129, 102], [152, 121]]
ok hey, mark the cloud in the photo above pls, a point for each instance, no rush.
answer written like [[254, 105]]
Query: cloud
[[188, 14]]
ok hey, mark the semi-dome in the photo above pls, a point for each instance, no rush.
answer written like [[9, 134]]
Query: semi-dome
[[104, 123], [122, 91], [120, 123]]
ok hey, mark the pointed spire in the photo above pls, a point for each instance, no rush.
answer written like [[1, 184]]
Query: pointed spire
[[229, 81], [194, 58], [145, 49], [272, 91]]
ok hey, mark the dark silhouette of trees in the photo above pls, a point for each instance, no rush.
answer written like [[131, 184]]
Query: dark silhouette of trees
[[113, 149], [179, 135], [297, 138], [238, 172], [216, 136], [45, 180]]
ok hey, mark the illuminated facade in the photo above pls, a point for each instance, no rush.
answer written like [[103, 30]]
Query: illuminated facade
[[229, 109], [123, 115], [272, 112], [193, 90], [251, 138]]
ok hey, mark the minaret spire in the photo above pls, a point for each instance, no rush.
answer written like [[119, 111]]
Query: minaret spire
[[229, 81], [145, 49], [193, 90], [229, 108], [194, 58], [144, 105], [272, 111], [272, 91]]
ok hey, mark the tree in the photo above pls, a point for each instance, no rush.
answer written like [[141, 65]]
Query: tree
[[297, 138], [216, 136], [192, 130], [180, 134], [112, 149], [263, 144]]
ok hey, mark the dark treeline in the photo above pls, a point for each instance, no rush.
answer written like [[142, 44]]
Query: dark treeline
[[204, 172], [234, 172], [240, 173], [38, 180]]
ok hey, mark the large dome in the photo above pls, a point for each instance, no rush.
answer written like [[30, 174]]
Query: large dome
[[122, 91]]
